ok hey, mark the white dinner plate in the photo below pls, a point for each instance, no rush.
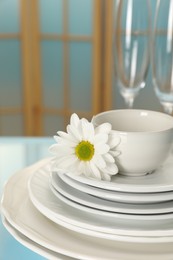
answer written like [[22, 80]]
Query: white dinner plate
[[118, 196], [23, 216], [108, 214], [160, 180], [112, 206], [52, 207], [19, 211], [32, 245]]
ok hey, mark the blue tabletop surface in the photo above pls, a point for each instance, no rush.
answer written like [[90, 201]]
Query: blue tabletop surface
[[15, 154]]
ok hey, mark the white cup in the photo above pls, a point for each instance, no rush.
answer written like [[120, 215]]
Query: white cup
[[145, 138]]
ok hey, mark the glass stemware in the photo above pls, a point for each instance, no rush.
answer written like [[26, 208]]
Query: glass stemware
[[162, 54], [132, 46]]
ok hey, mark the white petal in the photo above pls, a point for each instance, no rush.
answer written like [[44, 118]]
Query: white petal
[[74, 169], [81, 167], [64, 141], [53, 148], [114, 153], [113, 140], [108, 158], [105, 176], [101, 148], [56, 149], [99, 161], [91, 132], [85, 129], [112, 168], [74, 120], [87, 171], [66, 136], [103, 128], [100, 138], [60, 150], [67, 161], [95, 171], [74, 132], [57, 138]]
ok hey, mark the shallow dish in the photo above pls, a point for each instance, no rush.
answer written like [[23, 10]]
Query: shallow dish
[[117, 196], [160, 180], [49, 205], [32, 245], [107, 214], [40, 229], [111, 206]]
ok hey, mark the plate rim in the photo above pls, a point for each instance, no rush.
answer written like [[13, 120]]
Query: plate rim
[[79, 197], [33, 246], [119, 196], [120, 232], [112, 185]]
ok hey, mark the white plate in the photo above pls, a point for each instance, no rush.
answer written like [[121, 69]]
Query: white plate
[[52, 207], [108, 214], [19, 211], [32, 245], [160, 180], [118, 196], [111, 206]]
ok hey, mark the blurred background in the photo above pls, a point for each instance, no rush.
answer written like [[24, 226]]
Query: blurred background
[[56, 58]]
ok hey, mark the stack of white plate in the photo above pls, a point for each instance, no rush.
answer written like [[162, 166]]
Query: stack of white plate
[[73, 217]]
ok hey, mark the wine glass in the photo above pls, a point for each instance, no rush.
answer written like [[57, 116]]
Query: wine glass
[[131, 46], [162, 54]]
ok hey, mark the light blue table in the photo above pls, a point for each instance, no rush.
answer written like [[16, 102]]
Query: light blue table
[[15, 154]]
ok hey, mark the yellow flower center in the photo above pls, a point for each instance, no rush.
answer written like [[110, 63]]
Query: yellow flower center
[[84, 151]]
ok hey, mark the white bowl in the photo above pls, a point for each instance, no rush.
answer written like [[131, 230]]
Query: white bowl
[[145, 138]]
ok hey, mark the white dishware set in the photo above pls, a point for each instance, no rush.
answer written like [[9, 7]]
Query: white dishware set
[[65, 216]]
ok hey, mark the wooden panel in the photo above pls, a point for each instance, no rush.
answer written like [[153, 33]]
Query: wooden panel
[[96, 57], [108, 54], [66, 37], [27, 67], [10, 111], [66, 60], [36, 69]]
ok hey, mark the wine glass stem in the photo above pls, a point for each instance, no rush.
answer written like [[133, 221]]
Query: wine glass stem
[[129, 102], [168, 109]]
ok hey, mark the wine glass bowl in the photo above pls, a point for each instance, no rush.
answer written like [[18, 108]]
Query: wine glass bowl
[[162, 54], [132, 46]]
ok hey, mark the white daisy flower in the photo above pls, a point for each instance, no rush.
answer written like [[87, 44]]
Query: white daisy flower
[[86, 150]]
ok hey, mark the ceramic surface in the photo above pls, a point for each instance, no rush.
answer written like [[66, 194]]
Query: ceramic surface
[[160, 180], [145, 138], [117, 196], [130, 211], [32, 245], [107, 214], [19, 211], [49, 205]]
